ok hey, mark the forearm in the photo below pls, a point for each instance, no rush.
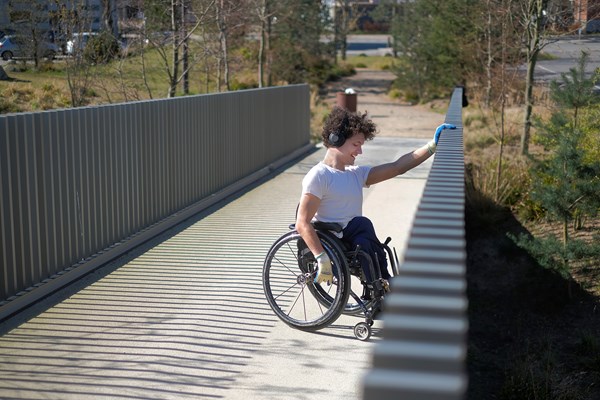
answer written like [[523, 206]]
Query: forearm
[[310, 237], [405, 163], [411, 160]]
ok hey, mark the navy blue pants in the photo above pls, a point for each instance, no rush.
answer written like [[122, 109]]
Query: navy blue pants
[[360, 231]]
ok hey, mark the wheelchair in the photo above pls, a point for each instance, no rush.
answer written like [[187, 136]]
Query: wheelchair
[[288, 276]]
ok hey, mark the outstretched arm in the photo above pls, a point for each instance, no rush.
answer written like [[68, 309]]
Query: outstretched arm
[[408, 161]]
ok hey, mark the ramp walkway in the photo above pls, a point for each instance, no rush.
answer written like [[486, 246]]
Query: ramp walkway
[[185, 317]]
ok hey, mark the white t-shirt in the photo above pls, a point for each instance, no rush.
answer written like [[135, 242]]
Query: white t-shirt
[[341, 192]]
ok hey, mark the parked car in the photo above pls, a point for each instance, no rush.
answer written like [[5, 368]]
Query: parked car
[[16, 46], [7, 31], [78, 42], [95, 47]]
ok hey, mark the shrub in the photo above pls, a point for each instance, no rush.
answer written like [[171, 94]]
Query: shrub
[[100, 49], [471, 118], [412, 96], [7, 106], [46, 66], [394, 94], [237, 85]]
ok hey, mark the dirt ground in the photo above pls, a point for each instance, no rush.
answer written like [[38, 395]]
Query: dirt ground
[[392, 116], [528, 339]]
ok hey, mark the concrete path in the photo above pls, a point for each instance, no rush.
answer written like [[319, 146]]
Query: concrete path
[[186, 318], [393, 117]]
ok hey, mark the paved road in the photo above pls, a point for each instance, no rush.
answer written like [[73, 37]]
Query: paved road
[[371, 45], [185, 318], [567, 49]]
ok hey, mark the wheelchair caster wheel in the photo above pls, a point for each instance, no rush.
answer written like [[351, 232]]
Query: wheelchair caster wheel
[[362, 331]]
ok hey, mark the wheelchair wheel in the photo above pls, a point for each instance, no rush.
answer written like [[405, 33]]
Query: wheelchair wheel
[[288, 282], [362, 331], [393, 260]]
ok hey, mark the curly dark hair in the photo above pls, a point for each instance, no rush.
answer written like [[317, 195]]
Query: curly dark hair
[[350, 123]]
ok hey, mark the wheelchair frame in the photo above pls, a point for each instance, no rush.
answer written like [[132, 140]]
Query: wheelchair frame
[[288, 282]]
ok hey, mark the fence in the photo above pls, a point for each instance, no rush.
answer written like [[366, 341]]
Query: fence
[[81, 186], [423, 351]]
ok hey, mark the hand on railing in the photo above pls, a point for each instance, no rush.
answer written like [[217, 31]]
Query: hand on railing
[[431, 146]]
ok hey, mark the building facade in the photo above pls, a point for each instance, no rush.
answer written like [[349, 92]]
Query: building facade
[[58, 16]]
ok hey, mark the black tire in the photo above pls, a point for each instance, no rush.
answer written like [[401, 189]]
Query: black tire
[[362, 331], [7, 55], [393, 260], [288, 283]]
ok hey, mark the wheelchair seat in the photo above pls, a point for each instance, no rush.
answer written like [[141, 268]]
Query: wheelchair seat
[[329, 227], [323, 226]]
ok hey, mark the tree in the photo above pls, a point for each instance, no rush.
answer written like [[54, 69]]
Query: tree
[[535, 19], [499, 50], [345, 19], [108, 17], [28, 17], [385, 13], [498, 41], [301, 55], [532, 17], [566, 182], [78, 68], [229, 17], [266, 13], [436, 41], [169, 27]]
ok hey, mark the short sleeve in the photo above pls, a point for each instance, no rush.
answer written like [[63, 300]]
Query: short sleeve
[[313, 183], [362, 172]]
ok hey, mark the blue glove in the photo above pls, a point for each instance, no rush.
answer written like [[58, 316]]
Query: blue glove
[[439, 130]]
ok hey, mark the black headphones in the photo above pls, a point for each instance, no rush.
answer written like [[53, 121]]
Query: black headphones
[[338, 138]]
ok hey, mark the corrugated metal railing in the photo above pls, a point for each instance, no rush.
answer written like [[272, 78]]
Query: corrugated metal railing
[[423, 352], [78, 183]]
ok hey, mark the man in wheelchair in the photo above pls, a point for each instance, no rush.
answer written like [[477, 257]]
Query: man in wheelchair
[[332, 191]]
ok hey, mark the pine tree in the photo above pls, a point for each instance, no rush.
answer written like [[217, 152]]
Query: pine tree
[[566, 182]]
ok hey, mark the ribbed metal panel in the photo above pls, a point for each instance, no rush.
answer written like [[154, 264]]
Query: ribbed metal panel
[[76, 182], [423, 353]]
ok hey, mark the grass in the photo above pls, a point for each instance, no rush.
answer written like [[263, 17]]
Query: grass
[[371, 62], [119, 81], [123, 80]]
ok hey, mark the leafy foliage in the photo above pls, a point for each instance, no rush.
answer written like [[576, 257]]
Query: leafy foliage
[[552, 254], [301, 56], [590, 126], [101, 48], [566, 182], [436, 42], [576, 91]]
